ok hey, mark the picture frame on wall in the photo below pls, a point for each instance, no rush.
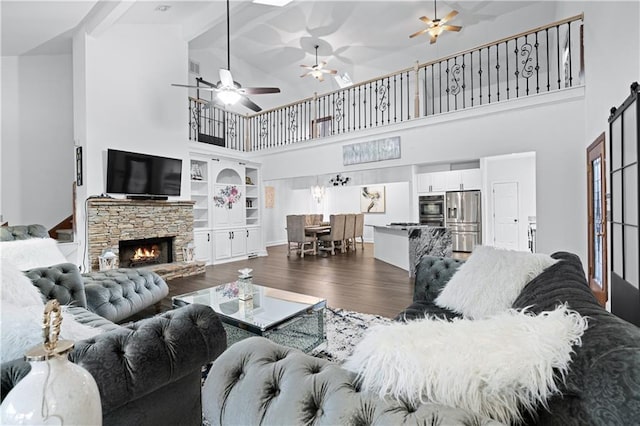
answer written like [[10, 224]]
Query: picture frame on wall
[[372, 199]]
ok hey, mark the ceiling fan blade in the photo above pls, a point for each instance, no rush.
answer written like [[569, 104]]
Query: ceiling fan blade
[[258, 90], [449, 17], [225, 78], [309, 67], [209, 89], [434, 38], [249, 104], [425, 20], [306, 74], [320, 77], [451, 27], [328, 71], [417, 33]]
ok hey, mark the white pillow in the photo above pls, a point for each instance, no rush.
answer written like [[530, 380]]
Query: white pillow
[[16, 288], [493, 366], [491, 280], [32, 253], [21, 329]]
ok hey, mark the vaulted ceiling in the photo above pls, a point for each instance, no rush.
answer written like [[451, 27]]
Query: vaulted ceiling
[[363, 38]]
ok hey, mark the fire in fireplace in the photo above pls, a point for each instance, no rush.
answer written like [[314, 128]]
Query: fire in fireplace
[[148, 251]]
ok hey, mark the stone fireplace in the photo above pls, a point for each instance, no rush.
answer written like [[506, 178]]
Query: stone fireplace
[[145, 252], [165, 224]]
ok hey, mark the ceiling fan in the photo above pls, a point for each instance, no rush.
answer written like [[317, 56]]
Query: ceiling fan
[[317, 70], [437, 26], [229, 91]]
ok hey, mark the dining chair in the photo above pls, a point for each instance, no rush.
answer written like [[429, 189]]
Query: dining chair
[[349, 231], [296, 235], [336, 235], [359, 230]]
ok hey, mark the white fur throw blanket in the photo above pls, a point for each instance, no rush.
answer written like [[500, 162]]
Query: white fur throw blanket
[[494, 366]]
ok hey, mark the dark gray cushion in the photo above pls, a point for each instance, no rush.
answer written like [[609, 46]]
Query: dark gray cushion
[[22, 232], [61, 282], [432, 273], [117, 294], [603, 383]]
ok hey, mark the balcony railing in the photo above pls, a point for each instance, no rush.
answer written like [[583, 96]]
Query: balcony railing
[[541, 60]]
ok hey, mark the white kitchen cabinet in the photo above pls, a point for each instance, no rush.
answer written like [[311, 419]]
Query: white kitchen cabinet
[[453, 180], [432, 182], [203, 244], [470, 179]]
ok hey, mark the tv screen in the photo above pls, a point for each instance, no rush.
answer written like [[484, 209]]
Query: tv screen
[[141, 174]]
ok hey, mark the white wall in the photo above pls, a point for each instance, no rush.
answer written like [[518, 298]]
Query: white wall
[[538, 125], [125, 99], [519, 168], [37, 139]]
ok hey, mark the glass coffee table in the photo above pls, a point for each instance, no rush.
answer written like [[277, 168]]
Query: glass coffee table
[[290, 319]]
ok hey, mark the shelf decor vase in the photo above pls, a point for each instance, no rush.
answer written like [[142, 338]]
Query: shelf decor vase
[[56, 391], [245, 284]]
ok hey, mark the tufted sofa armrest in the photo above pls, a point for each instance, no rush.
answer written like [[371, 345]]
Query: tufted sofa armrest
[[135, 362], [62, 282], [117, 294], [432, 273], [257, 381]]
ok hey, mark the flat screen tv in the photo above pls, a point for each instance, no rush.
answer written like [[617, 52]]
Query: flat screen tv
[[143, 176]]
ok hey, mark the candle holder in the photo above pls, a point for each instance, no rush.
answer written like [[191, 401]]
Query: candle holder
[[189, 253], [107, 260]]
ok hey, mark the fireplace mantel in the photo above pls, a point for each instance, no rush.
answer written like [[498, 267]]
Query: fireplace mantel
[[110, 220]]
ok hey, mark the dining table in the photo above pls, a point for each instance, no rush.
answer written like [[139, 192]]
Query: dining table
[[317, 230]]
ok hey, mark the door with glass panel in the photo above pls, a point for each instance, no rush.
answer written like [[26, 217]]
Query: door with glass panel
[[597, 228]]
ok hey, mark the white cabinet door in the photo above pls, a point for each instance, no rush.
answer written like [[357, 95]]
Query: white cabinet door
[[453, 181], [222, 242], [203, 244], [471, 179], [253, 240], [438, 181], [238, 242], [424, 182]]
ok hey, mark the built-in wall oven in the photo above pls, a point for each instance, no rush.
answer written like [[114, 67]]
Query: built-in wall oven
[[431, 210]]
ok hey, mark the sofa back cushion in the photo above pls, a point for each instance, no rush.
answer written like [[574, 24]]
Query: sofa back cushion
[[22, 232], [602, 384], [62, 282], [432, 273]]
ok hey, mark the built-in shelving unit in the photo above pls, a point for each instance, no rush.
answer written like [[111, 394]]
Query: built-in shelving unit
[[200, 193], [252, 200]]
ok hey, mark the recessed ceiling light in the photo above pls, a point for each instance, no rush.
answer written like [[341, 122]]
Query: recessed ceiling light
[[278, 3], [163, 8]]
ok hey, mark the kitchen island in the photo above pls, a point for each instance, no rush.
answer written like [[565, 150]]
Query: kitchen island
[[403, 245]]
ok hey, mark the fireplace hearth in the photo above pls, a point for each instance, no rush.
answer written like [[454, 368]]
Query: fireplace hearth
[[145, 252]]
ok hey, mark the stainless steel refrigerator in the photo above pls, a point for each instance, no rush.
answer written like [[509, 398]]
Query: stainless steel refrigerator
[[464, 218]]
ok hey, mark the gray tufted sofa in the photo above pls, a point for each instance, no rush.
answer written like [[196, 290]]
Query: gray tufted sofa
[[115, 295], [259, 382], [148, 372]]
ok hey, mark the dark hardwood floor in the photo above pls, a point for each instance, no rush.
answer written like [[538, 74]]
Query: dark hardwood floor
[[353, 280]]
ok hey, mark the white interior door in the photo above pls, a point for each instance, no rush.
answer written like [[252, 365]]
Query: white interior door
[[505, 215]]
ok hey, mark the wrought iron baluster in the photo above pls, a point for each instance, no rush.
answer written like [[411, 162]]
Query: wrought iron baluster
[[548, 71], [471, 75], [440, 84], [395, 102], [401, 97], [569, 43], [537, 67], [359, 107], [464, 83], [506, 56], [370, 106], [489, 73], [446, 70], [480, 74], [527, 69], [408, 96], [558, 52], [517, 69], [498, 71]]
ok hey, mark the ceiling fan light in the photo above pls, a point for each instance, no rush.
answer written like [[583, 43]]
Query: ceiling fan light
[[228, 97]]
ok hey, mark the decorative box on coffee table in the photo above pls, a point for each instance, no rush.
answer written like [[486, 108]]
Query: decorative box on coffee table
[[291, 319]]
